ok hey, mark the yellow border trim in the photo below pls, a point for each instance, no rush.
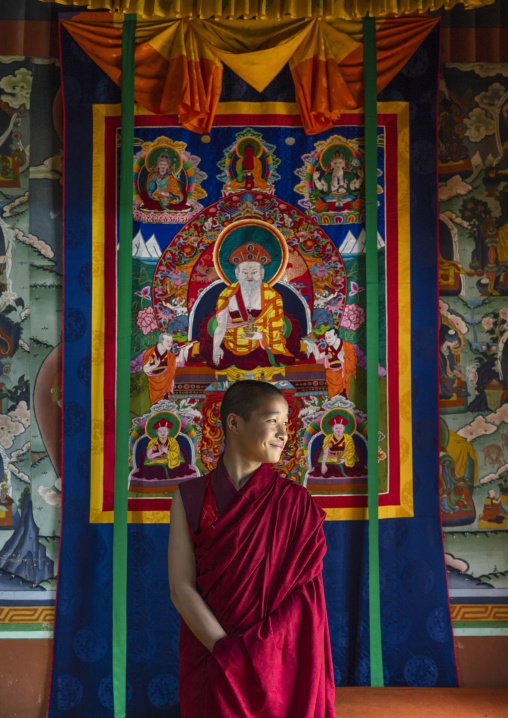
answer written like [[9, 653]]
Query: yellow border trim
[[405, 508]]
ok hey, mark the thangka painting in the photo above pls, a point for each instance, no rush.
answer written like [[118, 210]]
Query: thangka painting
[[473, 347], [266, 282]]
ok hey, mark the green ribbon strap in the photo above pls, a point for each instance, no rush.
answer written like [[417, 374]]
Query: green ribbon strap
[[123, 349], [372, 329]]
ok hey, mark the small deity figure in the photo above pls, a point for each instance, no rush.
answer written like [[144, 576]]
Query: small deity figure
[[493, 509], [339, 358], [162, 184], [249, 171], [342, 180], [159, 365]]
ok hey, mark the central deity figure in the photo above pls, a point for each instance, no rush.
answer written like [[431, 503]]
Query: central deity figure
[[249, 313]]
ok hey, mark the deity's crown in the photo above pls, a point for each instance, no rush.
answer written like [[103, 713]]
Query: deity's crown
[[164, 156], [161, 424], [250, 252]]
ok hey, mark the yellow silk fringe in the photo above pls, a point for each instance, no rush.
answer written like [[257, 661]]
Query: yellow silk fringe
[[273, 9]]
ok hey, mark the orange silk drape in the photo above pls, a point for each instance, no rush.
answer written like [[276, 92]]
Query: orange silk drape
[[178, 63]]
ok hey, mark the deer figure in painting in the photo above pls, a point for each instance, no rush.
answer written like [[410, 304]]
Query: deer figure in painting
[[493, 454]]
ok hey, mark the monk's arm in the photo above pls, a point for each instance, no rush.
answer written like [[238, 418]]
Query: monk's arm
[[182, 580]]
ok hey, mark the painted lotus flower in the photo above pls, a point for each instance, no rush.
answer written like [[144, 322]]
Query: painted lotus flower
[[146, 320], [353, 317], [487, 323]]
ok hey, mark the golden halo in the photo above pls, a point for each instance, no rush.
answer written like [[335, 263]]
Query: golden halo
[[270, 235], [344, 150], [349, 429], [253, 141], [171, 418]]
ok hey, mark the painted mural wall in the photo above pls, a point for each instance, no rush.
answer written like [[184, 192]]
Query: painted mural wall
[[473, 346], [30, 342]]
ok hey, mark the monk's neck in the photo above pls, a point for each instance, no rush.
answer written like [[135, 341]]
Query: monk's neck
[[238, 468]]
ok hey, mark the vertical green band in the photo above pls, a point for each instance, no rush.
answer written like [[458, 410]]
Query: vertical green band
[[372, 329], [123, 349]]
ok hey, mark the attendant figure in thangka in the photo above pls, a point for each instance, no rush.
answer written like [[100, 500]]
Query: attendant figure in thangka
[[159, 365], [339, 358], [162, 185]]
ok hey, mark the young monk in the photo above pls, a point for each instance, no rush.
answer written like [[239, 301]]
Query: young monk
[[245, 559]]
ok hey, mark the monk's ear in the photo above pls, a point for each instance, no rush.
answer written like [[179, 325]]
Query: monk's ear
[[232, 423]]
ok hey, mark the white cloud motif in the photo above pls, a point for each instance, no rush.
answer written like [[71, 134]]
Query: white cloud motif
[[33, 241], [457, 322], [483, 69], [457, 220], [478, 427], [23, 200], [455, 186], [21, 413], [9, 429], [52, 169], [479, 125], [17, 87], [490, 98]]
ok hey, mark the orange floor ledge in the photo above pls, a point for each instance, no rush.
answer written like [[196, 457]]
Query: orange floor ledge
[[421, 702]]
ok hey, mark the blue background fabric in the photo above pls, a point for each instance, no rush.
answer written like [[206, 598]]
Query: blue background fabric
[[416, 628]]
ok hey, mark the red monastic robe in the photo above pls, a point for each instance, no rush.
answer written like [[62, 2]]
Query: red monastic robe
[[259, 556]]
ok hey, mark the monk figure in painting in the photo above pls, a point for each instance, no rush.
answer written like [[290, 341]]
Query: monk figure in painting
[[493, 509], [250, 314], [159, 365], [245, 559], [339, 358], [338, 447], [163, 450]]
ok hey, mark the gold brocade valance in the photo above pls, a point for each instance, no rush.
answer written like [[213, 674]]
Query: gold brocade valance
[[273, 9]]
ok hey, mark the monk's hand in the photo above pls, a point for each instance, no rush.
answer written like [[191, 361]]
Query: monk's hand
[[324, 468], [217, 355]]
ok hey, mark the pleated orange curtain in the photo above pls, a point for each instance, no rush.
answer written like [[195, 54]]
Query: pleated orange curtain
[[272, 9], [477, 36], [178, 63]]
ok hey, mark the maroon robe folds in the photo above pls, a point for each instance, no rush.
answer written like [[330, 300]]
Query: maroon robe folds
[[259, 561]]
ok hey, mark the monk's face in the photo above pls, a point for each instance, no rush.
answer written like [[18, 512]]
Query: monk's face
[[263, 436]]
